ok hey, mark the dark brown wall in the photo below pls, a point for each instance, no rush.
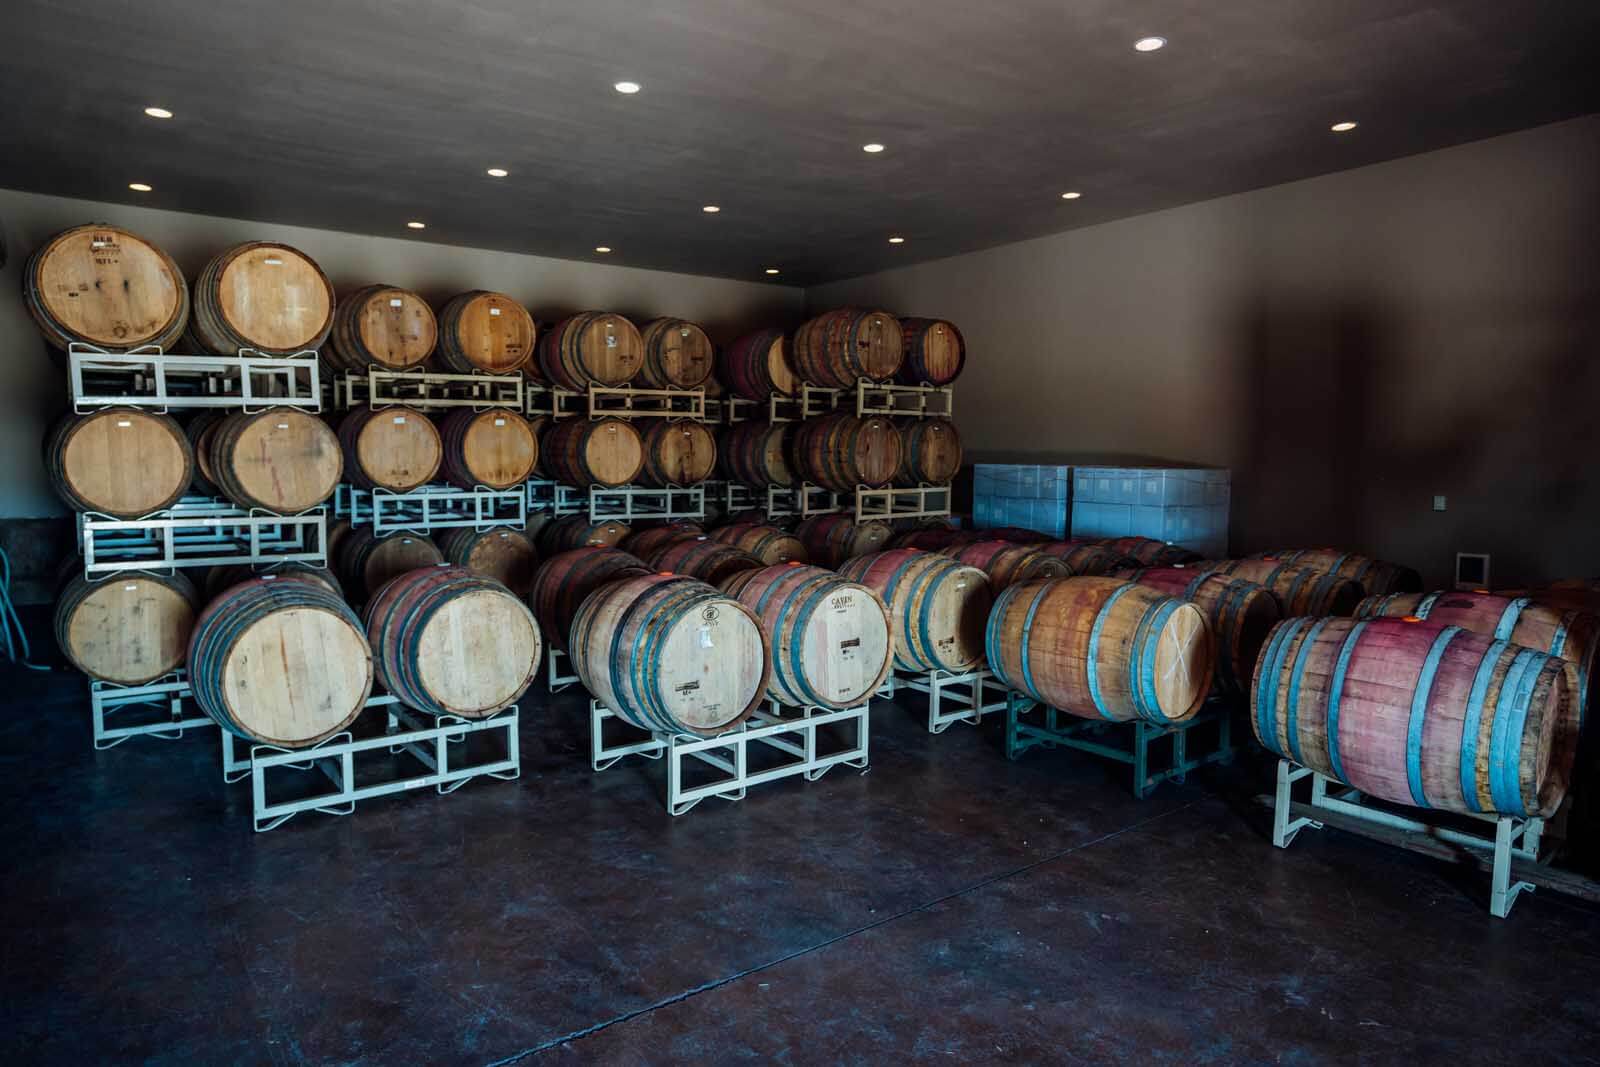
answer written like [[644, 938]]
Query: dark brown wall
[[1349, 345]]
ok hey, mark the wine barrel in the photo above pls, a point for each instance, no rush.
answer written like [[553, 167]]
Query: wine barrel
[[1102, 648], [677, 355], [757, 366], [830, 540], [198, 430], [1574, 636], [577, 531], [591, 348], [494, 448], [1418, 713], [565, 579], [484, 331], [1375, 577], [446, 641], [838, 348], [584, 452], [937, 607], [282, 663], [934, 538], [504, 554], [932, 452], [130, 628], [648, 540], [841, 451], [381, 326], [107, 287], [336, 531], [1007, 564], [366, 561], [395, 448], [265, 296], [1300, 590], [934, 351], [702, 558], [677, 452], [540, 426], [767, 543], [671, 654], [830, 639], [756, 453], [221, 578], [1240, 614], [1150, 552], [122, 462], [282, 460], [1087, 557]]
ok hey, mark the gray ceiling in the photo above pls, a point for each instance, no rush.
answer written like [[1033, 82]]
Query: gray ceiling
[[362, 115]]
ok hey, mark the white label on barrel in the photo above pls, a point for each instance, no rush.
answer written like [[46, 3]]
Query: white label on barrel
[[705, 637], [494, 311], [395, 301], [399, 420], [611, 429], [129, 588], [684, 332], [273, 261], [124, 422], [283, 425], [499, 422], [611, 340]]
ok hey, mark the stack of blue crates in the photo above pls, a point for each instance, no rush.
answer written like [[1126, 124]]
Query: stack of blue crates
[[1033, 497], [1185, 506]]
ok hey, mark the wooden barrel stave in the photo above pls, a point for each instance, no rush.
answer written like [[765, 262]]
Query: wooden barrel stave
[[501, 553], [105, 286], [1239, 612], [931, 452], [651, 538], [122, 462], [1006, 564], [484, 332], [603, 452], [220, 579], [264, 296], [756, 454], [937, 607], [676, 452], [769, 544], [677, 355], [702, 558], [1299, 590], [830, 540], [934, 352], [757, 366], [365, 560], [381, 326], [1087, 557], [578, 531], [128, 629], [840, 452], [494, 448], [1149, 552], [838, 348], [591, 348], [565, 579], [394, 448], [1375, 576], [281, 460]]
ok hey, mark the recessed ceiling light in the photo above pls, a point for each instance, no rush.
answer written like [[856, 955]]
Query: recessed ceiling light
[[497, 172], [711, 209], [417, 225], [772, 270], [139, 187], [1149, 44], [897, 240], [1070, 196], [1342, 127], [158, 112], [874, 147], [627, 88], [602, 248]]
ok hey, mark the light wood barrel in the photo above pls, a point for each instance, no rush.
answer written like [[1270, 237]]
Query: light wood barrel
[[1102, 648], [1240, 614], [446, 641], [282, 460], [677, 355], [1300, 590], [1150, 552], [1574, 636], [841, 451], [265, 296], [198, 430], [584, 452], [123, 462], [671, 654], [651, 538], [1007, 564], [565, 579], [395, 448], [831, 640], [838, 348], [932, 452], [366, 561], [129, 628], [937, 607], [107, 287], [284, 663], [1418, 713], [769, 544], [591, 348], [484, 331], [830, 540], [756, 453], [504, 554], [577, 531], [381, 326], [1376, 577], [494, 448], [703, 558], [220, 579], [1087, 557], [934, 351], [677, 452], [757, 365]]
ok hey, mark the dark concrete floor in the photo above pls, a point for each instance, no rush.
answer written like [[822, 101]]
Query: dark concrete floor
[[947, 906]]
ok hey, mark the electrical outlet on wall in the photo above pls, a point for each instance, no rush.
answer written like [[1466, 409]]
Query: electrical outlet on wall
[[1439, 503]]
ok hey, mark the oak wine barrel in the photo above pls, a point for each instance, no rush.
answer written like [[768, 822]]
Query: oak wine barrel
[[937, 607], [221, 578], [365, 560], [838, 348], [651, 538], [336, 531], [122, 462], [677, 355], [830, 638], [757, 366], [1240, 614], [1087, 557], [830, 540], [282, 460], [198, 430], [585, 452], [285, 663], [484, 331], [1419, 713], [494, 448], [1102, 648], [591, 348], [396, 448], [932, 452], [540, 426], [381, 326], [1376, 577], [446, 641], [671, 654], [1300, 590], [935, 537], [934, 352], [265, 296], [702, 558], [1150, 552], [501, 553], [841, 451], [1567, 594], [578, 531], [1006, 564], [676, 452], [769, 544], [756, 453], [565, 579], [130, 628], [107, 287]]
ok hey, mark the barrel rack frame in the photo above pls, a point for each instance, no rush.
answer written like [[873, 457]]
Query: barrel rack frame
[[914, 502], [802, 501], [964, 691], [629, 503], [200, 532], [431, 507], [149, 377], [107, 699], [427, 390], [617, 402]]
